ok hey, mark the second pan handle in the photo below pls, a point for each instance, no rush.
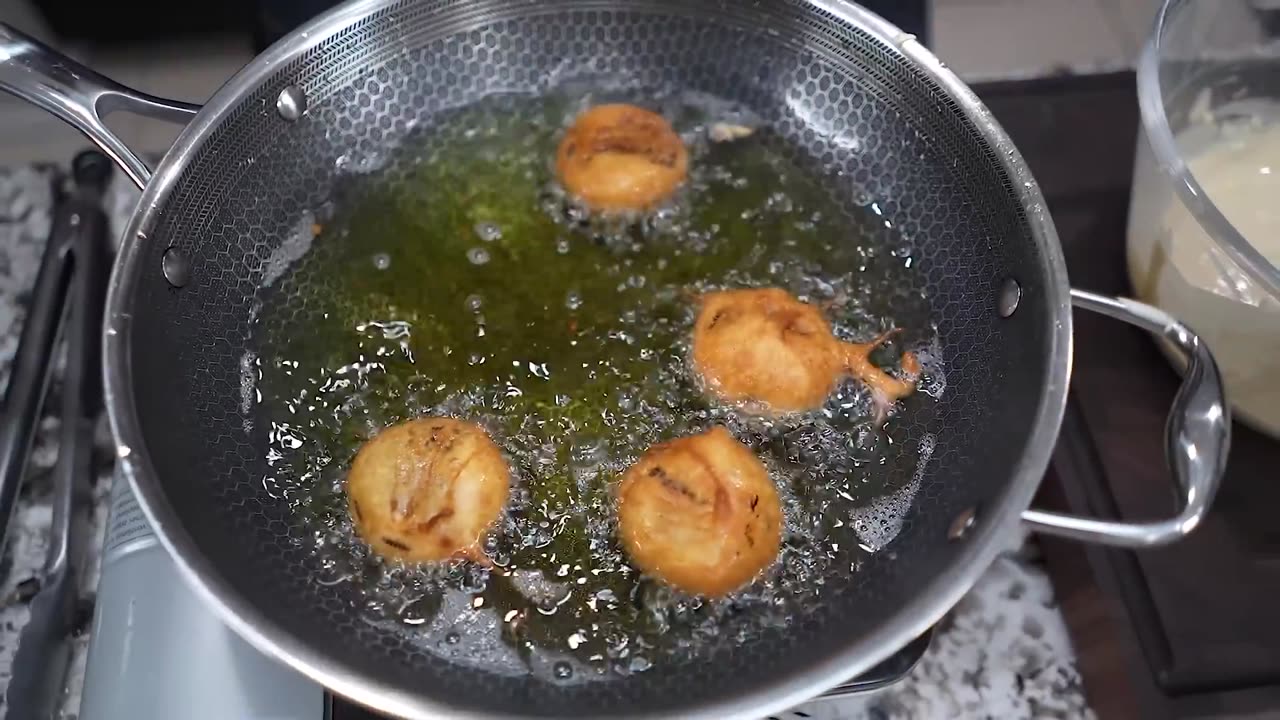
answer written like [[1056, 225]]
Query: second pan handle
[[1197, 436], [41, 75]]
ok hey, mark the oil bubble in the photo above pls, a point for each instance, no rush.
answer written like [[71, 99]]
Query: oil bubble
[[488, 231]]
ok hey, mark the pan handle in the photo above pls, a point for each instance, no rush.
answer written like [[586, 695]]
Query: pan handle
[[50, 80], [1197, 436]]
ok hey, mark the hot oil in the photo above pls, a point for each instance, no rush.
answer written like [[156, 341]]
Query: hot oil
[[459, 281]]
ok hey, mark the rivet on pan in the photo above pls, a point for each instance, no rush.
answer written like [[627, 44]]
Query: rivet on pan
[[960, 526], [176, 267], [291, 103], [1007, 300]]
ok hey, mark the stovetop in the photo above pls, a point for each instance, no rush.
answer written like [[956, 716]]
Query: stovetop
[[1189, 629], [1178, 632]]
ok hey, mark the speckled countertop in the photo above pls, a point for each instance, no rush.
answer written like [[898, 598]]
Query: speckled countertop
[[1002, 653]]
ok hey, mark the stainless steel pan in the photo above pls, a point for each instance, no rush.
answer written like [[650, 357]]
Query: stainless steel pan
[[856, 95]]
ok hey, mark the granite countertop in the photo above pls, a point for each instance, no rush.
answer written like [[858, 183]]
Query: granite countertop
[[1003, 652]]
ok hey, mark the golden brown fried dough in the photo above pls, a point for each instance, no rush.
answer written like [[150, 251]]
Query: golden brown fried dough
[[700, 513], [884, 387], [765, 348], [618, 158], [427, 489]]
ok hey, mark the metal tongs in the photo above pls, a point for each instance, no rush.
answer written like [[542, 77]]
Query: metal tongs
[[68, 300]]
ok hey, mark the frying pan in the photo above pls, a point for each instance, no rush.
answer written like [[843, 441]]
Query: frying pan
[[873, 108]]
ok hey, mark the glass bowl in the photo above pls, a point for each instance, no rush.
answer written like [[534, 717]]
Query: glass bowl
[[1204, 223]]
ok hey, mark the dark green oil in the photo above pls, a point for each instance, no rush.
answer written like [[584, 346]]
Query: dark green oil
[[457, 280]]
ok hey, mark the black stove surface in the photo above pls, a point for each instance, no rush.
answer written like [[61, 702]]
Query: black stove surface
[[1188, 630]]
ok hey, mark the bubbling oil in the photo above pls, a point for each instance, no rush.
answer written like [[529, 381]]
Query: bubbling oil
[[458, 280]]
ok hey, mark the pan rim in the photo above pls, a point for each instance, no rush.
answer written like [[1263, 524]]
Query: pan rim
[[939, 595]]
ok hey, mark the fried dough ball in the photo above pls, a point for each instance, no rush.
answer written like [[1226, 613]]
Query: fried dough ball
[[700, 513], [619, 158], [427, 489], [766, 349]]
